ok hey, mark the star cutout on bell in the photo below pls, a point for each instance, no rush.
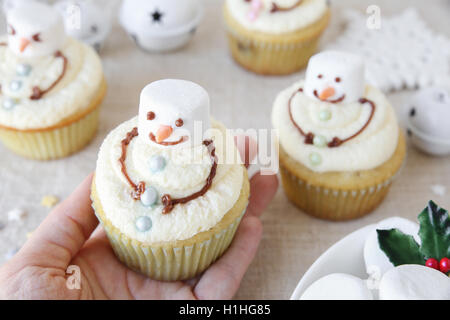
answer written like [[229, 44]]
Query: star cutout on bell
[[157, 16]]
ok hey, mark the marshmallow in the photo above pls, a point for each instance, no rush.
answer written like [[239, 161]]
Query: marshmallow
[[414, 282], [160, 25], [85, 21], [338, 286], [11, 4], [430, 112], [335, 76], [35, 29], [173, 111], [377, 263]]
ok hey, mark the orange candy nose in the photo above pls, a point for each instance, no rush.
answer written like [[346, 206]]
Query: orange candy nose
[[24, 43], [163, 133], [327, 93]]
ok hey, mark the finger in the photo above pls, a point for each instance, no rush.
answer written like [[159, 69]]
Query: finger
[[262, 191], [64, 231], [248, 148], [222, 279]]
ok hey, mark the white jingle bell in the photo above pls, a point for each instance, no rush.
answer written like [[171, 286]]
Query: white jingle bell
[[336, 77], [86, 21], [173, 113], [161, 25], [35, 29], [429, 120]]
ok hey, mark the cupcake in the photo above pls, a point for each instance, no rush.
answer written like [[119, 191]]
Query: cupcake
[[340, 143], [170, 189], [51, 85], [275, 37]]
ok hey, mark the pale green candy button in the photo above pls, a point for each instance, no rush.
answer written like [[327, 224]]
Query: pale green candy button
[[320, 141], [144, 224], [325, 115], [315, 159]]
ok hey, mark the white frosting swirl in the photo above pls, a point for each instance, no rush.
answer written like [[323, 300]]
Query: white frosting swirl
[[185, 173], [374, 146], [308, 12], [72, 94]]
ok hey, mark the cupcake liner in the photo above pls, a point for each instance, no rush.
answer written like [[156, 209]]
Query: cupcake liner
[[175, 260], [56, 142], [274, 54], [339, 204]]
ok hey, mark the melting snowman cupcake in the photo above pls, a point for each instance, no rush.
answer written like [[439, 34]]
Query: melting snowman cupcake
[[51, 85], [161, 25], [170, 189], [275, 36], [340, 141]]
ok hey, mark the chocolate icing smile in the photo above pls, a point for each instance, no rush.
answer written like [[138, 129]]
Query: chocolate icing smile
[[336, 142], [167, 201], [277, 8], [330, 101], [166, 144]]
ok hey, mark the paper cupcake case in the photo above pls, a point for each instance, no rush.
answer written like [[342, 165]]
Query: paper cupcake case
[[332, 204], [340, 204], [59, 141], [175, 260], [273, 54]]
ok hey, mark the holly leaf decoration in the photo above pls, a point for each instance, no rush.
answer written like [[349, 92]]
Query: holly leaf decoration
[[400, 248], [435, 232]]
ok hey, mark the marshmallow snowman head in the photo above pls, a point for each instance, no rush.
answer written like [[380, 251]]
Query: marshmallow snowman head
[[85, 21], [430, 112], [334, 76], [35, 29], [173, 113]]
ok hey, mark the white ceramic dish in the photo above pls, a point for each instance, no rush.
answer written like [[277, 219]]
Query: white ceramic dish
[[345, 256]]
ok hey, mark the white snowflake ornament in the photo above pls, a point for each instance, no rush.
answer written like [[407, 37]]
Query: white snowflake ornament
[[403, 53], [86, 21], [173, 113], [160, 25], [429, 120], [335, 76], [35, 29]]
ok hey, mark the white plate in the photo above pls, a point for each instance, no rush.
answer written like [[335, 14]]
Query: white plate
[[345, 256]]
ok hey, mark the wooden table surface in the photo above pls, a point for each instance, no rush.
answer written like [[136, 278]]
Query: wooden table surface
[[292, 241]]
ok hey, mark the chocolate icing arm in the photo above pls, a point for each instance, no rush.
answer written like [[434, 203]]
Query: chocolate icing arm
[[38, 92]]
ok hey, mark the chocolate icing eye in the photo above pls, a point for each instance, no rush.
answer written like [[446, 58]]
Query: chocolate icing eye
[[151, 116], [11, 30], [412, 112], [320, 76], [338, 79], [179, 123], [37, 37]]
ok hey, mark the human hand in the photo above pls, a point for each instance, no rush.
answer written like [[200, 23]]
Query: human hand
[[70, 236]]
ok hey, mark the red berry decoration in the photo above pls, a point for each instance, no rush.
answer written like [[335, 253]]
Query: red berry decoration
[[444, 265], [432, 263]]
